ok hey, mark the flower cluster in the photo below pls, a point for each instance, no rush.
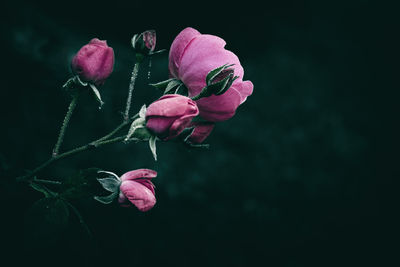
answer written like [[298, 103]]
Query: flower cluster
[[206, 86]]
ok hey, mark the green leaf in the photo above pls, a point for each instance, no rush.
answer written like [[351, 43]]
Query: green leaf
[[83, 184], [96, 94], [46, 220], [152, 144], [162, 85]]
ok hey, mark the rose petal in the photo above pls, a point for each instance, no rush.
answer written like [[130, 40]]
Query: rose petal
[[147, 183], [205, 53], [177, 48], [96, 41], [159, 125], [139, 173], [219, 108], [171, 105], [245, 89], [201, 131], [139, 195]]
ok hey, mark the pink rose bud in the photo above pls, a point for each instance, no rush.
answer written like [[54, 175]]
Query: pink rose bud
[[94, 62], [192, 56], [144, 43], [170, 115], [201, 131], [136, 188]]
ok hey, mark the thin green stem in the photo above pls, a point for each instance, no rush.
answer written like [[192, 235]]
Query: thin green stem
[[64, 126], [131, 87], [119, 127], [42, 181], [77, 150]]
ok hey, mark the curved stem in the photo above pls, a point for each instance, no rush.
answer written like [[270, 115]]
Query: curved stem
[[131, 87], [119, 127], [91, 145], [64, 126], [97, 143]]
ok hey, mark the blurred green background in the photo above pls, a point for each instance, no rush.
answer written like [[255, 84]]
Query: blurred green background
[[303, 175]]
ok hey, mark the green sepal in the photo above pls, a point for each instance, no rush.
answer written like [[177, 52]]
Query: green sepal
[[186, 133], [142, 111], [214, 73], [157, 52], [106, 199], [222, 86], [172, 86], [136, 124], [162, 85], [110, 184], [96, 94], [153, 148]]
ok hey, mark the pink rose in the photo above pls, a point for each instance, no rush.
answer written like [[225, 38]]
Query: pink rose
[[94, 62], [192, 56], [136, 188], [170, 115]]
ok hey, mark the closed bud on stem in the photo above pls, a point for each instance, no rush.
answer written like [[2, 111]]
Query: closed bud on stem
[[144, 43], [94, 62], [170, 115], [218, 81]]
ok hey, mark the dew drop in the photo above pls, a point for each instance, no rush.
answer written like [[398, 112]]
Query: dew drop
[[149, 73]]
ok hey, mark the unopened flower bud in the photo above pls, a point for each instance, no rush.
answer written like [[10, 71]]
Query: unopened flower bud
[[170, 115], [144, 43], [136, 188], [94, 62]]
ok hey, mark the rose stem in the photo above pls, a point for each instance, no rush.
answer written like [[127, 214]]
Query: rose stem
[[131, 87], [64, 126]]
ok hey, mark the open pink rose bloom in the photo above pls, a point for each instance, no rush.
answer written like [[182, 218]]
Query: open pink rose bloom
[[137, 189], [170, 115], [94, 62], [192, 56]]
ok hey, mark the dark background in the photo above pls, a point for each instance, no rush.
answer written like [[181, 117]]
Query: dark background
[[303, 175]]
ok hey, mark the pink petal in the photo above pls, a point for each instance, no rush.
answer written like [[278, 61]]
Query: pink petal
[[98, 42], [147, 183], [205, 53], [123, 201], [139, 173], [94, 62], [159, 124], [245, 89], [139, 195], [171, 105], [201, 131], [219, 108], [178, 47], [181, 123]]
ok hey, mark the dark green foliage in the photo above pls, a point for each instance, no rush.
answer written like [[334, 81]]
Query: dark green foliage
[[45, 221]]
